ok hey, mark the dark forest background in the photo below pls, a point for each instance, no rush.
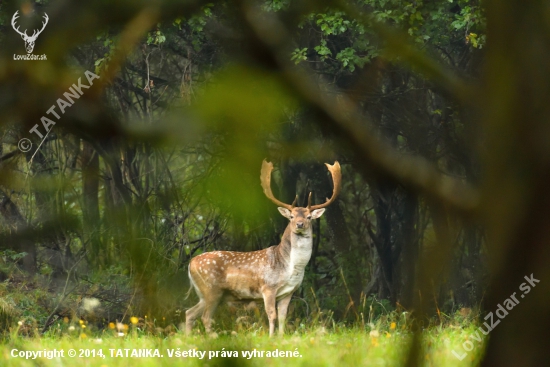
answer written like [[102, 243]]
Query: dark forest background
[[436, 110]]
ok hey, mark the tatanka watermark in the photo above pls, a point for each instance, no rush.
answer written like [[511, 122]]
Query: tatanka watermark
[[56, 110]]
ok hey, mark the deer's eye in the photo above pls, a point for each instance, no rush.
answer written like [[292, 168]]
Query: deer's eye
[[291, 217], [309, 217]]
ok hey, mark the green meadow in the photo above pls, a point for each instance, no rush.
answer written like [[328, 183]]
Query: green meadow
[[383, 343]]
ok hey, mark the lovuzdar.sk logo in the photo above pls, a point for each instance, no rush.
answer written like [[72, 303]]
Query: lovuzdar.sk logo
[[29, 40]]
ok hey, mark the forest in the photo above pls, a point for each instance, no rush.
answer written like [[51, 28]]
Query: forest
[[135, 136]]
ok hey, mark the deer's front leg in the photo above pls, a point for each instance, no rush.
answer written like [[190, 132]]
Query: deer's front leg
[[282, 308], [269, 302]]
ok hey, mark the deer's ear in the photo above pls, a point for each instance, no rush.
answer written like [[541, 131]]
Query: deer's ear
[[317, 213], [284, 212]]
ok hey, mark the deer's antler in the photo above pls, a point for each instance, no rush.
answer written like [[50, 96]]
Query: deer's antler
[[265, 178], [336, 173]]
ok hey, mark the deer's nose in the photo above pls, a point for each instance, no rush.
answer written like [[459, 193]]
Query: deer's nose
[[300, 224]]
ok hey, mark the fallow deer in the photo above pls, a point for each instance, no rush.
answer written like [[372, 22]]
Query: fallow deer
[[271, 274]]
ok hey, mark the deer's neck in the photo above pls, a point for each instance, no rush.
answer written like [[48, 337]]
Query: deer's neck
[[295, 249]]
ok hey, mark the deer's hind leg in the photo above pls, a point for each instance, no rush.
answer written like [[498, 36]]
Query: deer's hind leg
[[192, 314], [211, 303]]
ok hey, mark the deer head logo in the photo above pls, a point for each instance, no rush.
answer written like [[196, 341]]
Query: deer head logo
[[29, 40]]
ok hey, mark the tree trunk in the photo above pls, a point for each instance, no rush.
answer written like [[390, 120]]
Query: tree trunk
[[15, 220], [90, 192], [516, 195]]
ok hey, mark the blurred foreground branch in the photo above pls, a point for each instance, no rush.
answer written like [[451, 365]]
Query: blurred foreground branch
[[342, 115]]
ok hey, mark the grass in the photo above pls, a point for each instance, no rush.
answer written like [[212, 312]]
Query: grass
[[384, 345], [376, 335]]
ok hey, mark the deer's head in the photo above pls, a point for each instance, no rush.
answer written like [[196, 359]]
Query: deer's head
[[300, 218], [29, 40]]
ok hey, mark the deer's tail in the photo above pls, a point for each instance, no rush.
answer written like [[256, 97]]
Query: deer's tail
[[191, 282]]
